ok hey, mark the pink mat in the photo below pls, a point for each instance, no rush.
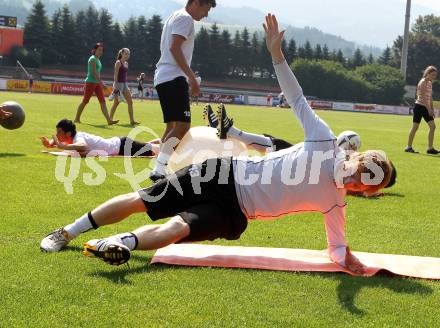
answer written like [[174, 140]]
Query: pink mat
[[299, 260]]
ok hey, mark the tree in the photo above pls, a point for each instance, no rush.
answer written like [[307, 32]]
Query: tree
[[266, 64], [54, 55], [214, 55], [37, 31], [92, 36], [225, 52], [154, 32], [255, 53], [318, 52], [201, 52], [105, 35], [308, 51], [340, 57], [386, 57], [130, 31], [301, 52], [67, 49], [429, 24], [80, 32], [388, 82], [358, 59], [236, 54], [291, 51], [325, 53], [245, 52], [370, 59]]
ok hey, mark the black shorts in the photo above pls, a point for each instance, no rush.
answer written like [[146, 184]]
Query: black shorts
[[210, 208], [420, 111], [279, 144], [174, 100], [136, 149]]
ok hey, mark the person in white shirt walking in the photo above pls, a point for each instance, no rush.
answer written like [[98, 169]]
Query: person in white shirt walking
[[174, 77], [216, 199]]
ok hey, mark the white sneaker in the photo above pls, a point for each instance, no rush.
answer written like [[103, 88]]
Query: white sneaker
[[55, 241], [110, 250]]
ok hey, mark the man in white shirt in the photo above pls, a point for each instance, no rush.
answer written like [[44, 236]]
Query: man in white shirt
[[216, 199], [67, 138], [174, 77]]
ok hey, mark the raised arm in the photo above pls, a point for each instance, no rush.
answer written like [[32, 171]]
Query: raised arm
[[315, 129]]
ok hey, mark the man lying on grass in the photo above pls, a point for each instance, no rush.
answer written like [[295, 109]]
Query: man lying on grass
[[217, 198], [67, 138]]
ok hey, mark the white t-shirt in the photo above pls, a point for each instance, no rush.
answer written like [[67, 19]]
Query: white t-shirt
[[298, 179], [179, 23], [98, 144]]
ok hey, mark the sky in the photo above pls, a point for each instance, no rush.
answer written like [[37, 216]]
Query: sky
[[369, 22]]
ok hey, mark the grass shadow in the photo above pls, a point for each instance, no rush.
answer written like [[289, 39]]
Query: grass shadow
[[119, 275], [393, 194], [99, 126], [2, 155], [349, 287]]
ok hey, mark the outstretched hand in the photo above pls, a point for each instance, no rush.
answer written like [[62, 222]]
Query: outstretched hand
[[353, 264], [274, 37], [4, 114], [46, 142]]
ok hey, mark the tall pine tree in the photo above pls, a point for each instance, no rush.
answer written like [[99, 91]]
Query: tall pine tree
[[37, 31]]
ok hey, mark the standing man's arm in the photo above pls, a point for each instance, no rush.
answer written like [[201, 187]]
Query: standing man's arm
[[176, 50]]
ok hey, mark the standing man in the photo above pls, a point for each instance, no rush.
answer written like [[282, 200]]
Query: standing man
[[174, 77]]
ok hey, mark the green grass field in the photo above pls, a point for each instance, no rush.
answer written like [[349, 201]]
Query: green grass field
[[69, 290]]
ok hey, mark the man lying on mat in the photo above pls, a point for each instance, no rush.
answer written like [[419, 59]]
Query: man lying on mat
[[217, 198], [265, 143], [67, 138]]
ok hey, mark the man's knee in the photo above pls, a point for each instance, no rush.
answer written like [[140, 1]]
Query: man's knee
[[135, 201], [179, 227]]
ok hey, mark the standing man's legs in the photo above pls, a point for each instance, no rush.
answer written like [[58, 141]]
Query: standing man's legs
[[175, 102]]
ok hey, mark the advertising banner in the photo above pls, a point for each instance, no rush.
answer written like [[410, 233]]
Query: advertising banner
[[318, 104], [216, 98]]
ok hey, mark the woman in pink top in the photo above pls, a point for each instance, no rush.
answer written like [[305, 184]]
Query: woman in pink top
[[121, 90], [424, 108]]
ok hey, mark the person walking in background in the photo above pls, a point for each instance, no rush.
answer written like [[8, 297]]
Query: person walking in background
[[174, 77], [94, 85], [31, 83], [269, 99], [140, 81], [424, 108], [121, 91]]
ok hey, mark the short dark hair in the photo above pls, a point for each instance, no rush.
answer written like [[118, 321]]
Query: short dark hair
[[393, 176], [213, 3], [67, 126]]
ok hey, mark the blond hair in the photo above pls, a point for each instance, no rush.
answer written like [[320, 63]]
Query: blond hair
[[121, 52], [429, 70]]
